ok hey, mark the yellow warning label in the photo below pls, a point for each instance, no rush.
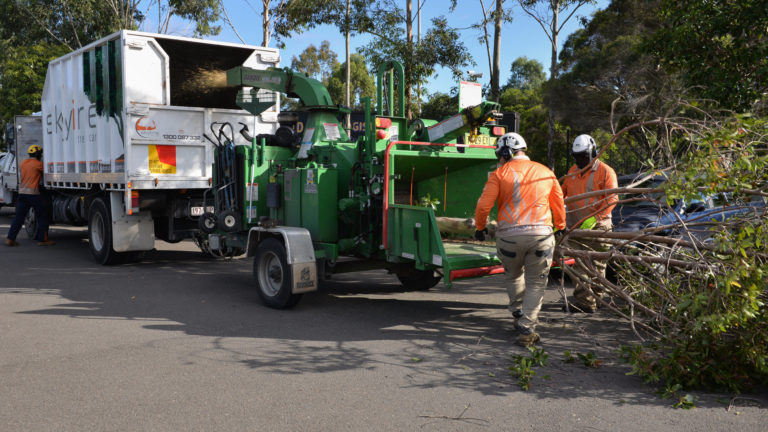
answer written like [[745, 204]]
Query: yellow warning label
[[162, 159]]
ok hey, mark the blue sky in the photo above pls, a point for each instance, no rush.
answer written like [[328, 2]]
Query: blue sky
[[522, 37]]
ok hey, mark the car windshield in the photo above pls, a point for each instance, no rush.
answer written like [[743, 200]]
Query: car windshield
[[642, 200]]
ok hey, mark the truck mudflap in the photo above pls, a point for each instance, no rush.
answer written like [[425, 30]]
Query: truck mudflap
[[300, 253]]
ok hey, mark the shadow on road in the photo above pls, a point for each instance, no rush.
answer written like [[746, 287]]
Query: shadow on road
[[461, 338]]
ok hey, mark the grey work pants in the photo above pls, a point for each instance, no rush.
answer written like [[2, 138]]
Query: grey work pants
[[582, 294], [526, 260]]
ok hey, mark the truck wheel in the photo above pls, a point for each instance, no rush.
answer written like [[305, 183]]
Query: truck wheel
[[100, 233], [418, 280], [272, 273], [30, 223]]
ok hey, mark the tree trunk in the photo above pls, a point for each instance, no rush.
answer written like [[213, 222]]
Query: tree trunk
[[347, 122], [265, 23], [552, 77], [452, 226], [409, 63], [495, 72]]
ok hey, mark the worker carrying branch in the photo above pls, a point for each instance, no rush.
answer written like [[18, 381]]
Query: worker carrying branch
[[589, 175], [528, 197]]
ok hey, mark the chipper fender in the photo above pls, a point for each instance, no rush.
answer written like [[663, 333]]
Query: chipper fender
[[284, 264]]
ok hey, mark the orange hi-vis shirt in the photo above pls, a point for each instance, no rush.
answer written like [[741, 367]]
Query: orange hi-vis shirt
[[31, 171], [528, 196], [599, 177]]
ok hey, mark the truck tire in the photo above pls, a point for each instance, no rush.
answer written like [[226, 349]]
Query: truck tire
[[100, 233], [418, 280], [30, 223], [272, 273]]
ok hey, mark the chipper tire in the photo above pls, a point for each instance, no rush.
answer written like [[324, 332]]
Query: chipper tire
[[272, 273], [207, 223], [229, 222], [418, 280]]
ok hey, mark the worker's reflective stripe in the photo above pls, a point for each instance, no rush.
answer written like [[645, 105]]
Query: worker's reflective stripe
[[590, 187], [517, 199], [517, 213], [591, 181]]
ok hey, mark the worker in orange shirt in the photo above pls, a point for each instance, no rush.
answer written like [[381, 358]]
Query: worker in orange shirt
[[31, 170], [528, 196], [589, 174]]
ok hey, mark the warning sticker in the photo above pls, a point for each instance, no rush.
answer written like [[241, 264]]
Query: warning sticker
[[310, 186], [331, 131], [252, 191], [306, 143], [394, 132], [162, 159]]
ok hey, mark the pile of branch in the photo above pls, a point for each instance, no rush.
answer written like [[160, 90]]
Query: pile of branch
[[652, 264]]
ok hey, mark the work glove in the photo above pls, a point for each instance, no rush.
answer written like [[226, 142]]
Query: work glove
[[589, 223], [480, 234], [559, 234]]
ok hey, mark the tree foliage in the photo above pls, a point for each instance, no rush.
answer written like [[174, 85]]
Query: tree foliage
[[719, 46], [440, 105], [440, 46], [525, 74], [362, 83], [322, 65], [386, 22], [706, 303], [609, 80], [316, 63], [20, 82], [33, 32], [552, 15]]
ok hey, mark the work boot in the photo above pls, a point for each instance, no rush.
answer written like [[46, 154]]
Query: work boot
[[527, 337], [578, 306], [517, 314], [9, 242], [46, 243]]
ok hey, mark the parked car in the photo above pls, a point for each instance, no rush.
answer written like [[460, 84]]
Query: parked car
[[698, 216]]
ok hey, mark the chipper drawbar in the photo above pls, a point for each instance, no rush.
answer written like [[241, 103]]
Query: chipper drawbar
[[317, 203]]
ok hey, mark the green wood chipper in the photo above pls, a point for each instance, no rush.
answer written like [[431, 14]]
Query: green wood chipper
[[308, 205]]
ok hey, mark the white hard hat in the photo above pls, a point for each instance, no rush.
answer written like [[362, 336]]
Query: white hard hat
[[584, 143], [511, 141]]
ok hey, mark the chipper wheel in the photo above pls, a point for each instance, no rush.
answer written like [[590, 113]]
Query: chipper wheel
[[418, 280], [274, 280]]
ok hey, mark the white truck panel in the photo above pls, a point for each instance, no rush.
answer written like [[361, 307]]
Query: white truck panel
[[148, 88]]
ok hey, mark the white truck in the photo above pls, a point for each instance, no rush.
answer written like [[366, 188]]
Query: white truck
[[124, 124]]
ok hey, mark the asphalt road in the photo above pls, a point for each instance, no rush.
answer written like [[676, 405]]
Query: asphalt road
[[180, 342]]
